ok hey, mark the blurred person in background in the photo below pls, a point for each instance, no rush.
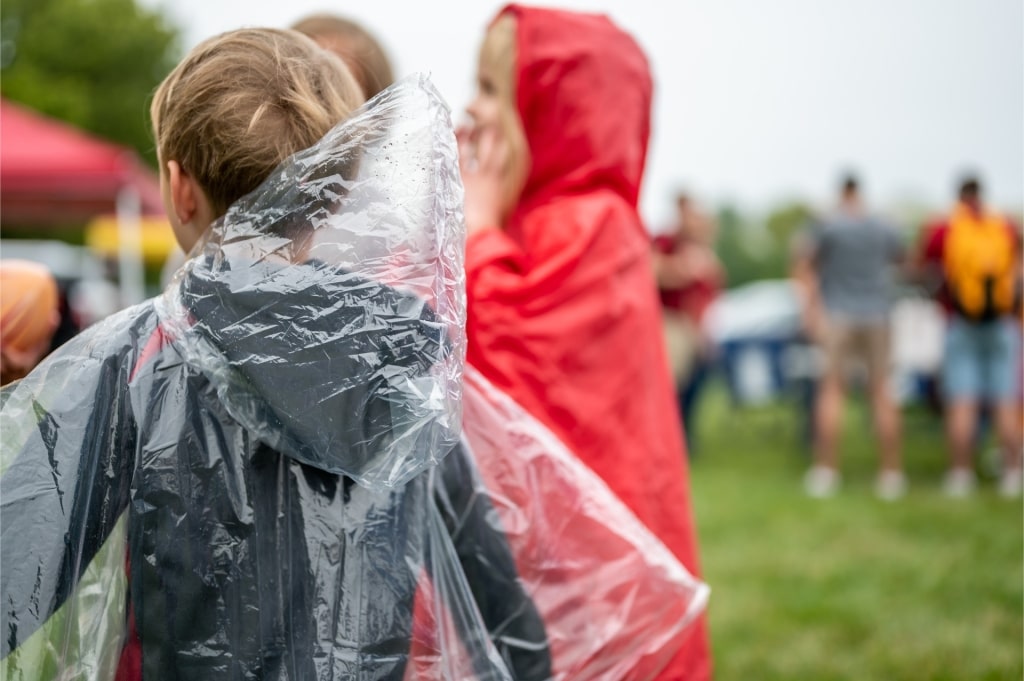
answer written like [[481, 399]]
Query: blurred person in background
[[972, 256], [689, 277], [844, 264], [356, 46], [562, 312], [29, 316]]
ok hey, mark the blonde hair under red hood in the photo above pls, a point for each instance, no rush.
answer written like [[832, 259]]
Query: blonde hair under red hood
[[583, 93]]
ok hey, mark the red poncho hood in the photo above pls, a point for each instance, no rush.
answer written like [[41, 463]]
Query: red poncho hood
[[585, 131]]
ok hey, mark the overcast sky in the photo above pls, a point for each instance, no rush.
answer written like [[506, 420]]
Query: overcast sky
[[759, 101]]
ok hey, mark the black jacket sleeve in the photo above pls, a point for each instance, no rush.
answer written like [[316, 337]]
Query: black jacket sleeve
[[512, 620]]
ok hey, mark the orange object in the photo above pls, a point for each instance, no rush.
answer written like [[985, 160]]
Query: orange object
[[28, 314], [980, 262]]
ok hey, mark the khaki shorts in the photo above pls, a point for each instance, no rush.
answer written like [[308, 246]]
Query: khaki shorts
[[681, 344], [846, 343]]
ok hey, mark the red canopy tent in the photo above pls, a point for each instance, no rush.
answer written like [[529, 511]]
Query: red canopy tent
[[51, 172]]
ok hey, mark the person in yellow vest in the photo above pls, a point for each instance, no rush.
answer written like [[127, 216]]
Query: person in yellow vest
[[975, 255]]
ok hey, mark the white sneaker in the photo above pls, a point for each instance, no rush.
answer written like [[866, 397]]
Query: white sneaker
[[959, 483], [890, 485], [821, 482], [1010, 483]]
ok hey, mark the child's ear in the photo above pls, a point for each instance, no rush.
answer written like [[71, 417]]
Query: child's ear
[[182, 193], [192, 212]]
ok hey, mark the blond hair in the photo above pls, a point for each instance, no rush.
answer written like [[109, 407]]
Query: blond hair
[[242, 102], [498, 58], [356, 47]]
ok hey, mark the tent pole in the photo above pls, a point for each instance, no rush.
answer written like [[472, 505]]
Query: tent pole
[[129, 262]]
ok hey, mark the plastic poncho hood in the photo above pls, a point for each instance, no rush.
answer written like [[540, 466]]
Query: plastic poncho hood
[[326, 306]]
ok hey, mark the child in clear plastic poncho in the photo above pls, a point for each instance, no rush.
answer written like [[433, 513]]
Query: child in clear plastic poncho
[[260, 473], [238, 480]]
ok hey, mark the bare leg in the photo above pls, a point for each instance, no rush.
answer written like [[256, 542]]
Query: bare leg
[[961, 420], [828, 419], [1007, 420], [887, 424], [1008, 428], [822, 479]]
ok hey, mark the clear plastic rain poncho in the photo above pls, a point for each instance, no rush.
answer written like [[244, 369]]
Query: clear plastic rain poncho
[[262, 473]]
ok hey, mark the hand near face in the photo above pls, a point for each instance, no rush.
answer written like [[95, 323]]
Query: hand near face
[[483, 158]]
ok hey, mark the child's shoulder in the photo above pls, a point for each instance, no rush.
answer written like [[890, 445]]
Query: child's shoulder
[[128, 338]]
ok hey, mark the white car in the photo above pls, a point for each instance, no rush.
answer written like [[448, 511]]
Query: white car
[[764, 353]]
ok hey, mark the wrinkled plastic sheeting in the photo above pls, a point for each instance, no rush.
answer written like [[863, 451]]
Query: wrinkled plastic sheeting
[[615, 602], [237, 479], [346, 206], [63, 587]]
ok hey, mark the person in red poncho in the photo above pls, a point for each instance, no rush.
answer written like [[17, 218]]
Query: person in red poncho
[[563, 314], [689, 278]]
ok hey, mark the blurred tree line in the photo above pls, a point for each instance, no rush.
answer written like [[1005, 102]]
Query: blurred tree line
[[751, 249], [754, 246], [93, 63]]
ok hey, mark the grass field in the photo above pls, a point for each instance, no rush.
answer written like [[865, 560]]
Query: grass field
[[925, 588]]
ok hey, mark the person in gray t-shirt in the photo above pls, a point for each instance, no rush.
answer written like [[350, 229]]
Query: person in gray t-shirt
[[845, 265]]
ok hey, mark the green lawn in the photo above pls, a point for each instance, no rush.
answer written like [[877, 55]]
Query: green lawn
[[851, 587]]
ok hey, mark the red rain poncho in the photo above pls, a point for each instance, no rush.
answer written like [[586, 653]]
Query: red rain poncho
[[562, 308]]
